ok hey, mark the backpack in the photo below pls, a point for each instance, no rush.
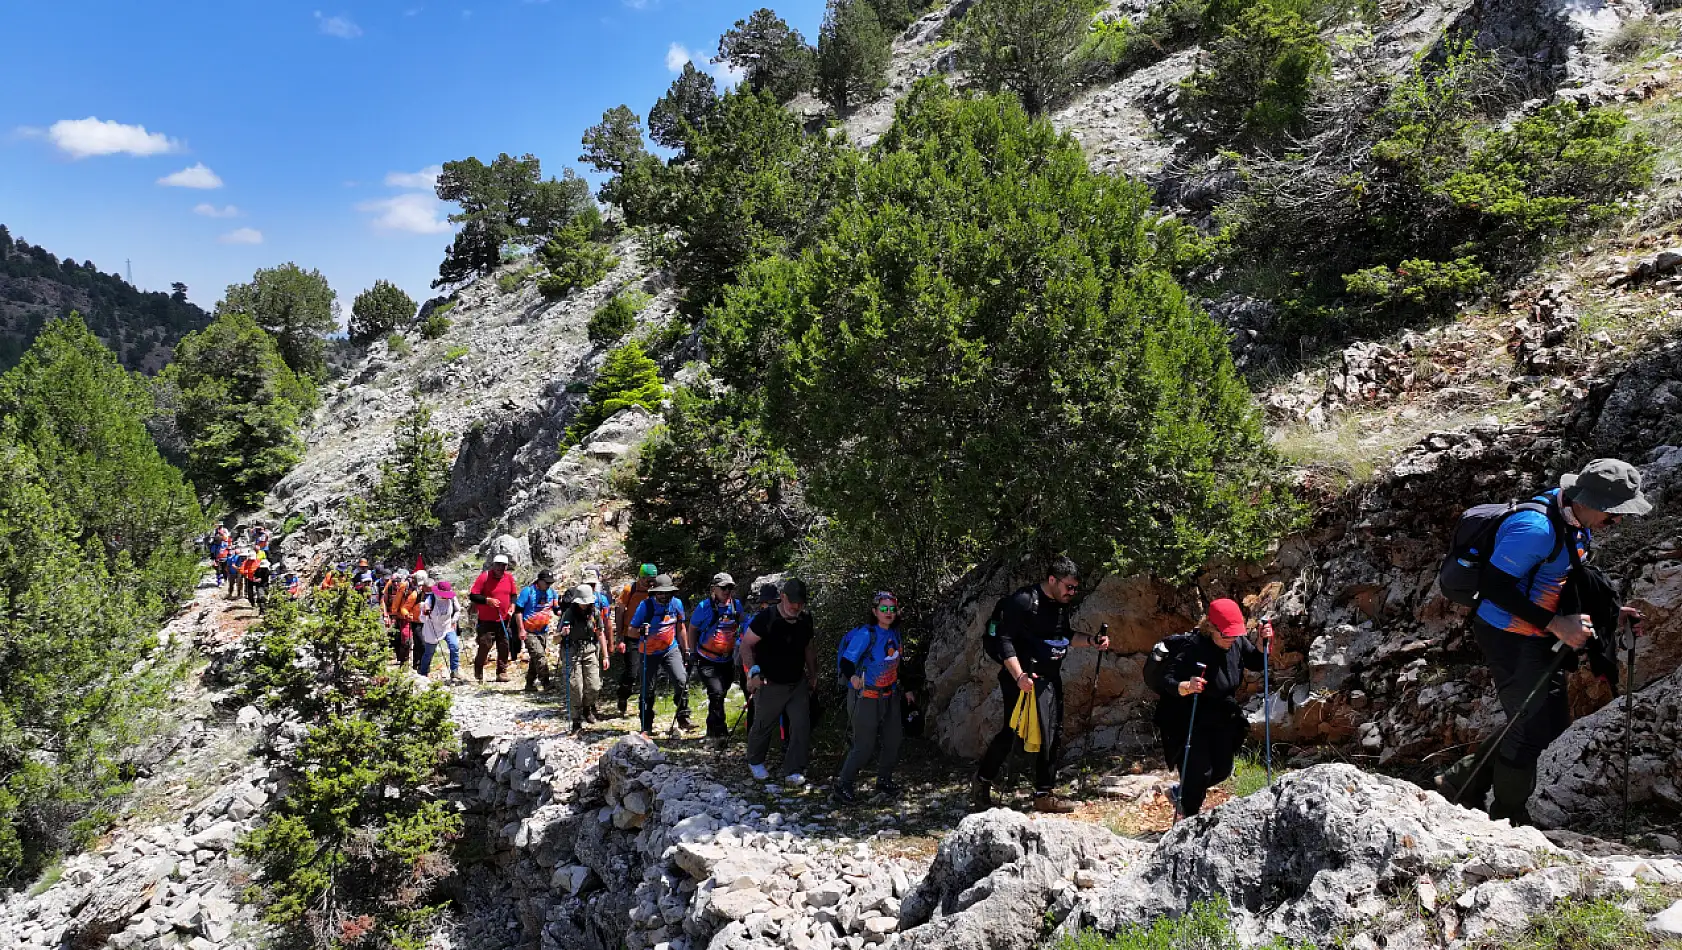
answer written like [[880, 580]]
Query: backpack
[[1474, 541], [869, 648], [990, 633]]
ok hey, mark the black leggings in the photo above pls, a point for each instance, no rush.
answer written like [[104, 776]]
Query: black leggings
[[1048, 697], [1210, 761]]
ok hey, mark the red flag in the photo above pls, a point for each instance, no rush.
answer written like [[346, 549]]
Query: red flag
[[420, 562]]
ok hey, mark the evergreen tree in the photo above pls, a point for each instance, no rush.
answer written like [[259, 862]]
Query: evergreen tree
[[614, 146], [853, 55], [297, 306], [412, 479], [1006, 320], [238, 407], [772, 55], [83, 417], [379, 310], [1026, 46], [1258, 83], [627, 378], [896, 15], [504, 203], [685, 110]]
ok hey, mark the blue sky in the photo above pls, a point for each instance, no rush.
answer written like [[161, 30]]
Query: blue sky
[[203, 140]]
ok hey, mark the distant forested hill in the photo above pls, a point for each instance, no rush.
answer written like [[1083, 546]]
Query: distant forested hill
[[142, 327]]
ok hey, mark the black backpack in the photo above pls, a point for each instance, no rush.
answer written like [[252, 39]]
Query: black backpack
[[1474, 541], [990, 633]]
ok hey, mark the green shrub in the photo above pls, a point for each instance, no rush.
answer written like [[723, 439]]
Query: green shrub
[[455, 353], [1207, 926], [397, 345], [435, 325], [513, 280], [355, 853], [1417, 287], [616, 317], [628, 378], [379, 310], [1261, 71], [1118, 46], [1028, 47], [575, 260], [1577, 924]]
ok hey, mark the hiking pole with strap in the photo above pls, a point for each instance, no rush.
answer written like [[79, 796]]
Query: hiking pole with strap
[[1185, 754], [1625, 627], [1092, 705], [642, 683], [566, 670], [1560, 653], [1267, 698]]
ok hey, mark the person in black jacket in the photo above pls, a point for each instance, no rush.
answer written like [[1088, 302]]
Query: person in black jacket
[[1218, 643], [1030, 641]]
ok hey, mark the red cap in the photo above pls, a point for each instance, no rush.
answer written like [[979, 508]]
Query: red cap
[[1225, 616]]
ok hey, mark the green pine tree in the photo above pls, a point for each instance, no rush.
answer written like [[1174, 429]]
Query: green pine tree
[[853, 54], [297, 306], [379, 310], [628, 378], [412, 479]]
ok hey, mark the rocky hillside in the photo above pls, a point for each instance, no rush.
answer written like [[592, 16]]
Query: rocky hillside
[[141, 328]]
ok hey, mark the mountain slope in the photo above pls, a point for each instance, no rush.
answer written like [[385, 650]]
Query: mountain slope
[[142, 327]]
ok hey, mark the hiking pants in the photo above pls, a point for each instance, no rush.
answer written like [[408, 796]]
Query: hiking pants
[[1048, 697], [585, 677], [423, 663], [537, 651], [873, 717], [716, 678], [1516, 663], [1212, 746], [629, 669], [772, 700], [491, 635], [670, 663]]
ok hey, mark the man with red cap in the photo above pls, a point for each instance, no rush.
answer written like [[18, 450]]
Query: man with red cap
[[1220, 646]]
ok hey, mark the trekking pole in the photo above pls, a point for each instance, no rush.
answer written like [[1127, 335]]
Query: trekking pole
[[642, 682], [1629, 712], [1267, 697], [566, 671], [1092, 706], [1185, 754], [1483, 757]]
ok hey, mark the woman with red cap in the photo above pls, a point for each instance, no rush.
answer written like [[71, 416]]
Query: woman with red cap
[[1221, 648]]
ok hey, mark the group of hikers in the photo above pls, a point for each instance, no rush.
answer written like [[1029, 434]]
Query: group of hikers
[[1536, 602]]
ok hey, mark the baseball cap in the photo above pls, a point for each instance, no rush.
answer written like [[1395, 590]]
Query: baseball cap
[[1609, 485], [884, 597], [1226, 617], [768, 594], [500, 559], [546, 577], [648, 570], [722, 579], [795, 590]]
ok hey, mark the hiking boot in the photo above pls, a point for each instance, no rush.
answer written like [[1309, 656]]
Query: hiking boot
[[888, 790], [686, 725], [577, 726], [623, 706], [530, 688], [794, 779], [1050, 804], [760, 773], [980, 795], [843, 795], [590, 716], [503, 679]]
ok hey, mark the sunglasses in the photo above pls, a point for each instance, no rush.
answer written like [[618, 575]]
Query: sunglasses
[[887, 608]]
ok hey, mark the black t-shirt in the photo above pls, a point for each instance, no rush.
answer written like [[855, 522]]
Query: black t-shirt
[[1035, 629], [1175, 660], [781, 650], [580, 622]]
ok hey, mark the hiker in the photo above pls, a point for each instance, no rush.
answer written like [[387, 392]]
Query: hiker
[[440, 616], [232, 565], [630, 598], [584, 637], [291, 584], [782, 671], [260, 538], [868, 660], [537, 605], [1534, 591], [257, 583], [663, 642], [716, 624], [1029, 637], [604, 606], [402, 604], [767, 597], [493, 594], [1219, 643], [219, 554]]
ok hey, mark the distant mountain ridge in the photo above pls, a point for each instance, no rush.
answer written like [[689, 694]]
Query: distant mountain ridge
[[142, 327]]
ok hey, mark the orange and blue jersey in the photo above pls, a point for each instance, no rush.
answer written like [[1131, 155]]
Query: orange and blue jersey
[[874, 651], [1522, 546], [662, 630], [716, 628]]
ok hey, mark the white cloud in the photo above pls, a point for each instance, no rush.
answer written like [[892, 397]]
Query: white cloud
[[677, 54], [211, 211], [197, 176], [341, 26], [425, 179], [412, 213], [242, 236], [82, 138]]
